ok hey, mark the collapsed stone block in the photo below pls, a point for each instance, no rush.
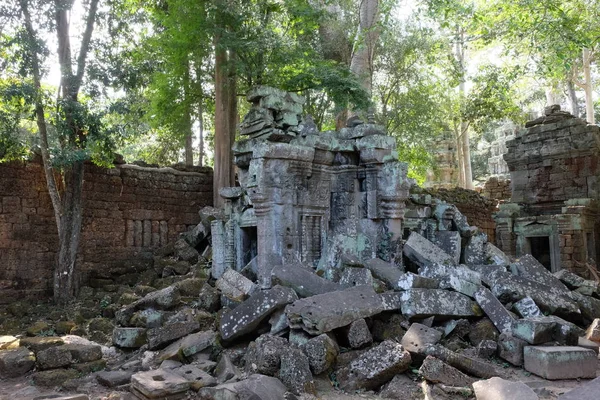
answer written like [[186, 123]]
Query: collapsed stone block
[[527, 266], [560, 362], [129, 337], [225, 369], [259, 387], [421, 303], [495, 256], [188, 346], [295, 372], [533, 331], [235, 286], [113, 379], [463, 363], [264, 355], [197, 377], [357, 334], [474, 252], [82, 353], [16, 362], [326, 312], [511, 348], [304, 282], [321, 352], [159, 384], [576, 282], [497, 388], [248, 315], [461, 286], [450, 242], [437, 371], [527, 308], [40, 343], [54, 357], [494, 310], [385, 271], [589, 306], [163, 299], [422, 252], [9, 343], [374, 367], [352, 276], [417, 338], [408, 280], [162, 336]]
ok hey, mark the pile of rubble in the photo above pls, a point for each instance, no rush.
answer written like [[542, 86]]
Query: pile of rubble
[[454, 306]]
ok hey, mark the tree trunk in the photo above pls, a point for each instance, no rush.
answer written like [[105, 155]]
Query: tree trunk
[[200, 133], [587, 76], [572, 95], [464, 128], [365, 42], [65, 286], [224, 106]]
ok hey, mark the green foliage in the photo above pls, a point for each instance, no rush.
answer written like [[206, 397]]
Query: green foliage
[[16, 98]]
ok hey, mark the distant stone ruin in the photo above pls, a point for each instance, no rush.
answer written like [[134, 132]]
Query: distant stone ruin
[[553, 214], [307, 196]]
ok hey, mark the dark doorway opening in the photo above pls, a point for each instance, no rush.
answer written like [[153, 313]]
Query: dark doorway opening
[[249, 244], [540, 250]]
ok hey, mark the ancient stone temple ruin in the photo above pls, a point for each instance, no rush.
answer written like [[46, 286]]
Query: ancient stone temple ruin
[[306, 196], [554, 167]]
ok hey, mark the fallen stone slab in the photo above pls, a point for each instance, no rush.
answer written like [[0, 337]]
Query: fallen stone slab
[[560, 362], [422, 252], [585, 391], [162, 336], [501, 389], [565, 333], [235, 286], [474, 252], [385, 271], [326, 312], [533, 331], [159, 384], [225, 369], [509, 288], [83, 353], [304, 282], [256, 387], [129, 337], [247, 316], [188, 346], [16, 362], [295, 372], [408, 280], [461, 286], [422, 303], [511, 348], [589, 306], [54, 357], [354, 276], [163, 299], [357, 334], [593, 331], [374, 367], [527, 308], [495, 256], [443, 273], [450, 242], [416, 340], [576, 282], [263, 356], [466, 364], [113, 379], [528, 267], [196, 376], [54, 377], [321, 352], [495, 311], [437, 371], [486, 349], [40, 343]]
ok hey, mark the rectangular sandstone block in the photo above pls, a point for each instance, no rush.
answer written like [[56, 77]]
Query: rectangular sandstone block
[[560, 362]]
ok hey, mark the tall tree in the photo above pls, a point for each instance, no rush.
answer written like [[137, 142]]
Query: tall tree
[[73, 121]]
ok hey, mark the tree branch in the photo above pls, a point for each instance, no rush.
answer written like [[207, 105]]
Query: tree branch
[[85, 45], [40, 119]]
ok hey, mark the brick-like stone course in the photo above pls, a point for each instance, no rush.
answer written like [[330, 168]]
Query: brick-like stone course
[[128, 211]]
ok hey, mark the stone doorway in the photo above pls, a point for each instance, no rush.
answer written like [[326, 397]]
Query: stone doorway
[[249, 244], [540, 250]]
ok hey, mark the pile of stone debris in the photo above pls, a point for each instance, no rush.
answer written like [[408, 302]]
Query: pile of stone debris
[[454, 309]]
